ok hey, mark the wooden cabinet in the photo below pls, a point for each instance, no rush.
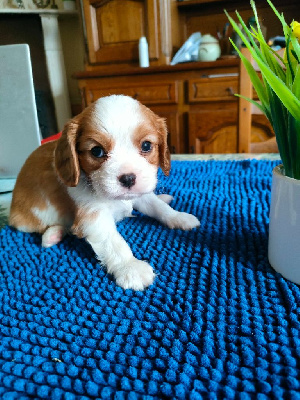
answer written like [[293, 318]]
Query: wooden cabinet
[[113, 29], [213, 115], [197, 99]]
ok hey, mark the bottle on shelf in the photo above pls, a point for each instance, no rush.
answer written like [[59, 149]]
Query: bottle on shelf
[[143, 52]]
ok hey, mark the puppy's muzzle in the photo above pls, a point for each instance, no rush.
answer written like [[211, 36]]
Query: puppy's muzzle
[[127, 180]]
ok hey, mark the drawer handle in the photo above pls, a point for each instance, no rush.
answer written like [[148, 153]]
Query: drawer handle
[[136, 95], [230, 91]]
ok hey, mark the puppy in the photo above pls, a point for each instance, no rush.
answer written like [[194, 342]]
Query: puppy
[[104, 165]]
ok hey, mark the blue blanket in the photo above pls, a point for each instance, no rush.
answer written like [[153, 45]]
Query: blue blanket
[[218, 322]]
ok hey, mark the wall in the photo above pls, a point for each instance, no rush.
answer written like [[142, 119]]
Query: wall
[[73, 49]]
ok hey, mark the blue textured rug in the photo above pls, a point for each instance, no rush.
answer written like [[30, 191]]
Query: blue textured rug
[[218, 323]]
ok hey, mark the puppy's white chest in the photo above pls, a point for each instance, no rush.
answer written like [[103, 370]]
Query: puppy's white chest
[[121, 209]]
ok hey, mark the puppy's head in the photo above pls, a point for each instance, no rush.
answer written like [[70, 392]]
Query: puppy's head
[[117, 144]]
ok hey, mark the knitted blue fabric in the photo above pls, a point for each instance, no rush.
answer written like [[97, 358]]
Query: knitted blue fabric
[[218, 322]]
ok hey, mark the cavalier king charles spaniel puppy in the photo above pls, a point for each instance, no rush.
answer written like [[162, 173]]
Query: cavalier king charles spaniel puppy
[[103, 166]]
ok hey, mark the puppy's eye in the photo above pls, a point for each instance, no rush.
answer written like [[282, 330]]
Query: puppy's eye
[[98, 152], [146, 146]]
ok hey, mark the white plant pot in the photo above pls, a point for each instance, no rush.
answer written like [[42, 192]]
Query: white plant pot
[[284, 227], [69, 5]]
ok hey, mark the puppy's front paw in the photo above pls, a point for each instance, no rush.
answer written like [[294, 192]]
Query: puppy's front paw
[[182, 220], [136, 275]]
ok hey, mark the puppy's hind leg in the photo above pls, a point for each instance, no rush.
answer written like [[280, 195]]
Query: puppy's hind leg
[[53, 235]]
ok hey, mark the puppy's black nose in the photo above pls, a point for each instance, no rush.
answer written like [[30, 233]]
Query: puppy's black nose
[[127, 180]]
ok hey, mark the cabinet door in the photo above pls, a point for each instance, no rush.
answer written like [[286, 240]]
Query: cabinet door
[[213, 115], [113, 29], [213, 128]]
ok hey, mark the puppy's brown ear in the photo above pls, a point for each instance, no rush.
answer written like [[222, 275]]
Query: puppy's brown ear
[[66, 159], [164, 154]]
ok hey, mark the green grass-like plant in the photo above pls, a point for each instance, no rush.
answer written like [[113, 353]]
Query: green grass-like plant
[[279, 89]]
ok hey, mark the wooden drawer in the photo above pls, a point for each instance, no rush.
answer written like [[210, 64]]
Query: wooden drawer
[[212, 89], [146, 93]]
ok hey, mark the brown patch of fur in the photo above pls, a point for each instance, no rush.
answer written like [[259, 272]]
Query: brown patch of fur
[[164, 153], [66, 160], [147, 133], [73, 150], [82, 217], [52, 167], [88, 140], [37, 182]]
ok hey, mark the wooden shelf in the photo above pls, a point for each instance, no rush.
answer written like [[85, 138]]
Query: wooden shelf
[[111, 71]]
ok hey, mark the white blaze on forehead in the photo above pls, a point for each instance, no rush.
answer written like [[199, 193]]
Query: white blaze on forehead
[[118, 116]]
